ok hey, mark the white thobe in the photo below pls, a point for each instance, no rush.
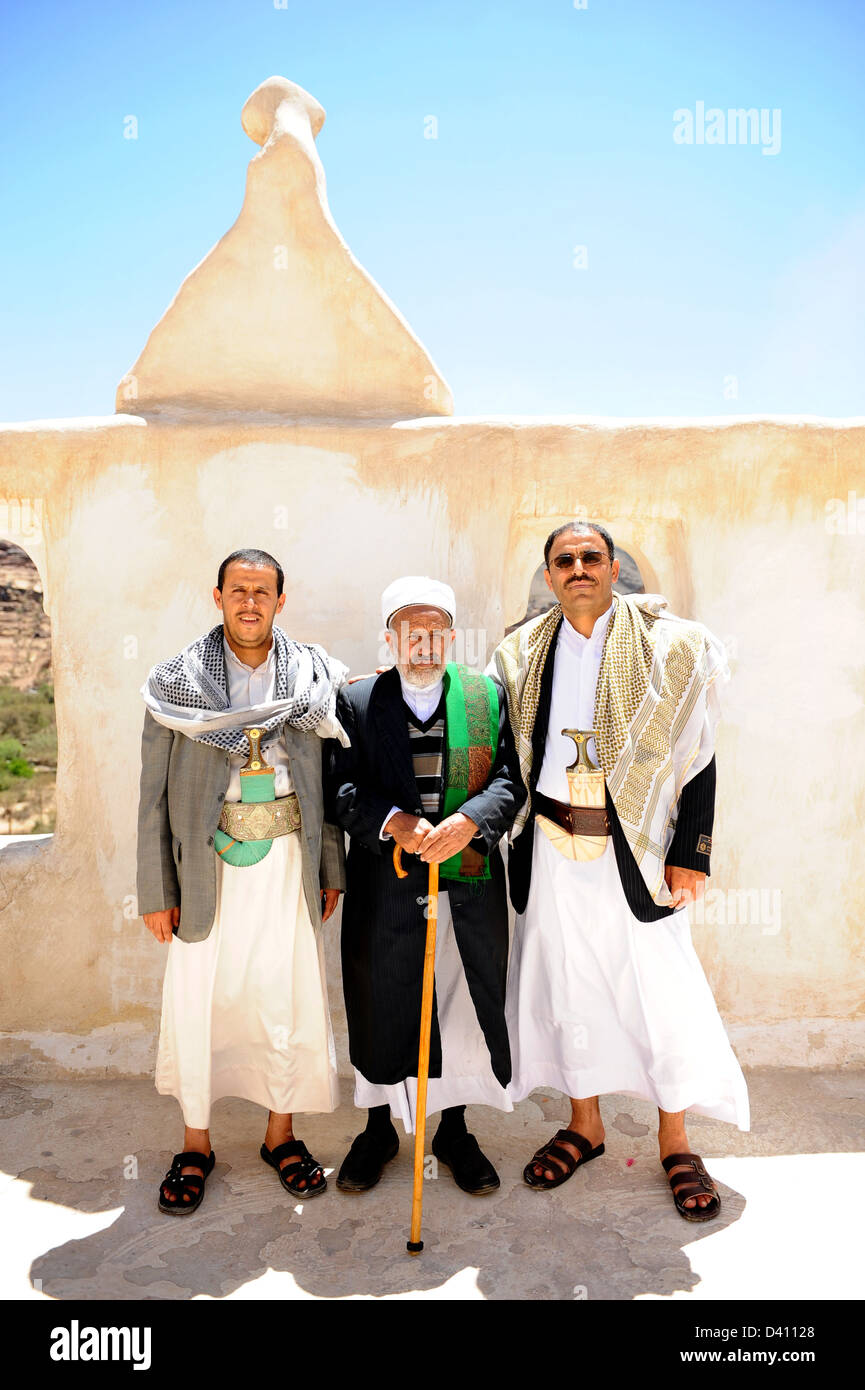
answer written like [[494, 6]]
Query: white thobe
[[245, 1012], [467, 1076], [599, 1002]]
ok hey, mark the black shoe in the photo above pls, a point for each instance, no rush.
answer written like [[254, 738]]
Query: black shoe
[[471, 1168], [363, 1164]]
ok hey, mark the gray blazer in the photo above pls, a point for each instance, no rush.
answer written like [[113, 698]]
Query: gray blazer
[[183, 785]]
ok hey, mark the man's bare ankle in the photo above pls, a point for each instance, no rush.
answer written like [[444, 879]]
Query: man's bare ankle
[[590, 1121], [198, 1141]]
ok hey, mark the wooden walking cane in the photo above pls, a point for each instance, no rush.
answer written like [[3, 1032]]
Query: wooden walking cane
[[414, 1244]]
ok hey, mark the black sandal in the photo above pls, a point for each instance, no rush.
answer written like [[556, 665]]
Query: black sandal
[[306, 1167], [554, 1149], [182, 1183], [684, 1186]]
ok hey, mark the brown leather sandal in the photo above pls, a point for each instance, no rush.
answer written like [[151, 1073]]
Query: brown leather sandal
[[685, 1186], [553, 1149]]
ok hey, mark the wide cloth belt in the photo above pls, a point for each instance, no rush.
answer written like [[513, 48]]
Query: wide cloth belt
[[260, 820], [577, 820]]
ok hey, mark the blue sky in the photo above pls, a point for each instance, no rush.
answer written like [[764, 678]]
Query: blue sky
[[719, 280]]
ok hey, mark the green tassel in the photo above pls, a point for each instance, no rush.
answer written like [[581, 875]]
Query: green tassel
[[242, 853]]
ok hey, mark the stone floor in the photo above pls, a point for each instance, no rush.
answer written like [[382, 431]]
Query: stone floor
[[81, 1163]]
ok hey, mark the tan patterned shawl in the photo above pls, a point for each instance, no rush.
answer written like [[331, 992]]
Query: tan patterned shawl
[[656, 708]]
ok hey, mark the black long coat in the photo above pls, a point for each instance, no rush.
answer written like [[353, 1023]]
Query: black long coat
[[383, 920], [693, 833]]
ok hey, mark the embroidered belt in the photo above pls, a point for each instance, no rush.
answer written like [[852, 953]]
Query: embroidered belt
[[577, 820], [260, 820]]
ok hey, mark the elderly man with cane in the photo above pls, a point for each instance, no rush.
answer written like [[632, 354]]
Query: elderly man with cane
[[430, 769]]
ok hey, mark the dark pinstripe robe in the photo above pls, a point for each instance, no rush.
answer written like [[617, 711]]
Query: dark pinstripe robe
[[383, 921], [694, 823]]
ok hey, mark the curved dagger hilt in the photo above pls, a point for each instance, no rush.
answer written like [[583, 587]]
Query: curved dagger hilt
[[255, 763], [582, 762]]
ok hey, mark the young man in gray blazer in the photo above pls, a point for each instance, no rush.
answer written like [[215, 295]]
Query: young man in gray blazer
[[239, 891]]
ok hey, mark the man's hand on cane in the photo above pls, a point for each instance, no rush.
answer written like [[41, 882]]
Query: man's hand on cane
[[686, 885], [408, 831], [447, 838], [161, 923]]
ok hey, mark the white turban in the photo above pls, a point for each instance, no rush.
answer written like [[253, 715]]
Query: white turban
[[417, 588]]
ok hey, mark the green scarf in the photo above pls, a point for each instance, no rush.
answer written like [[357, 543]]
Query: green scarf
[[472, 723]]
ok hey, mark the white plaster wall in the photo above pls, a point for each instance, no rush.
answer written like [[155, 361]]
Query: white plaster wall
[[726, 518]]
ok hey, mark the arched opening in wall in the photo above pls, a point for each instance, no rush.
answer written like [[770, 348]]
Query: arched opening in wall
[[541, 599], [28, 730]]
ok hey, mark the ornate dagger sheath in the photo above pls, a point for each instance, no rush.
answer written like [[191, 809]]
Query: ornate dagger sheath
[[581, 829]]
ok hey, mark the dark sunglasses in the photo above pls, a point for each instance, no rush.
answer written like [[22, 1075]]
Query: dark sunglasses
[[588, 559]]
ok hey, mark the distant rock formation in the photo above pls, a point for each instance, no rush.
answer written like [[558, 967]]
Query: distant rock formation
[[25, 629]]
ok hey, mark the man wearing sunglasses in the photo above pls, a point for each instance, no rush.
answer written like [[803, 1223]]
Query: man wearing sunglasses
[[605, 991]]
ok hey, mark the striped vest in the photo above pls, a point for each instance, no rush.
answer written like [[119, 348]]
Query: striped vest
[[426, 741]]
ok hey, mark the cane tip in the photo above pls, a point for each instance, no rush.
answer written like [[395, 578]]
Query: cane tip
[[414, 1247]]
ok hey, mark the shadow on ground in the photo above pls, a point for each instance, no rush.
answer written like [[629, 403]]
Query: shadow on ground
[[611, 1232]]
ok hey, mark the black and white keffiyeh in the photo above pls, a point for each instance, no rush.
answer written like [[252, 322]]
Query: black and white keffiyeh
[[189, 692]]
